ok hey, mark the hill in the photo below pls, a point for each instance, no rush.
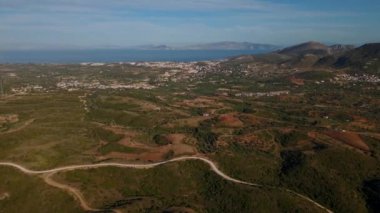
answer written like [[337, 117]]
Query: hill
[[229, 45], [225, 45], [341, 48], [313, 53], [311, 47], [153, 47], [316, 48], [360, 56], [364, 59]]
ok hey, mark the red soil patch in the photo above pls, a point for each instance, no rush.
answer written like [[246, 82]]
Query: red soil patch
[[254, 120], [286, 130], [153, 153], [288, 98], [175, 138], [362, 123], [12, 118], [312, 135], [179, 210], [229, 120], [297, 81], [350, 138]]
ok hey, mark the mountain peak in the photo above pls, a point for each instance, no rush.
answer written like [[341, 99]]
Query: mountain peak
[[311, 47]]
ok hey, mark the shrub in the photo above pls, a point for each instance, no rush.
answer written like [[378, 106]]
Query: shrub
[[161, 140]]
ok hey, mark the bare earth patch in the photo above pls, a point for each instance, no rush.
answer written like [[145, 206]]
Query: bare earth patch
[[4, 195], [11, 118], [155, 153], [178, 144], [362, 123], [255, 120], [297, 81], [175, 138], [349, 138], [230, 120], [20, 126], [149, 152], [179, 210]]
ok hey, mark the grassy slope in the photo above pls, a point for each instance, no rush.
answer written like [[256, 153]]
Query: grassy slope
[[339, 175], [186, 184], [58, 135], [31, 194]]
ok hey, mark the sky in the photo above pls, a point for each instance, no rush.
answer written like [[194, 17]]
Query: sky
[[92, 24]]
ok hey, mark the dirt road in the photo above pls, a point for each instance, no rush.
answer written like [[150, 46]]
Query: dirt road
[[47, 174]]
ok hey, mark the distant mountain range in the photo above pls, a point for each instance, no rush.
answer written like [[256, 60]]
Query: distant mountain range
[[232, 46], [315, 54], [316, 48], [225, 45], [360, 56]]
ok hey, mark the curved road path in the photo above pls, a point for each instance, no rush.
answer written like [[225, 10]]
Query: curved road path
[[47, 174]]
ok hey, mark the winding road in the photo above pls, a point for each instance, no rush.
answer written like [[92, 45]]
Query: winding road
[[47, 176]]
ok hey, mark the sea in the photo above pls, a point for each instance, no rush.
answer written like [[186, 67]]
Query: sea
[[113, 56]]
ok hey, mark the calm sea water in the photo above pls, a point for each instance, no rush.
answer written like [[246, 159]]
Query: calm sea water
[[78, 56]]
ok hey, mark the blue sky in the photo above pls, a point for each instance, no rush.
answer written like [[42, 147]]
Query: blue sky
[[86, 24]]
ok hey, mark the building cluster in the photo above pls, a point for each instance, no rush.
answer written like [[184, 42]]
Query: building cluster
[[188, 66], [357, 78], [199, 70], [28, 89], [185, 68], [262, 94], [93, 64], [73, 84], [83, 100]]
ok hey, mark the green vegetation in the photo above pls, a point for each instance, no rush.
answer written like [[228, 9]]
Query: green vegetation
[[205, 137], [315, 75], [30, 194], [248, 164], [105, 135], [161, 140], [192, 185], [51, 130], [372, 191], [115, 147], [291, 160], [333, 178]]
